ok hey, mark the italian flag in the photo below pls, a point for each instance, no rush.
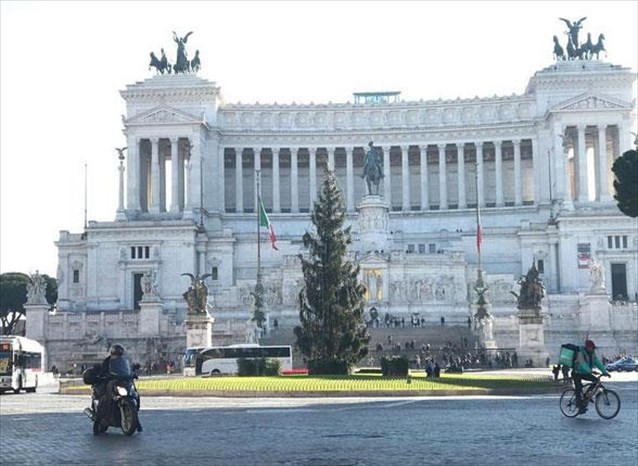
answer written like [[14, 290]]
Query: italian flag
[[264, 221]]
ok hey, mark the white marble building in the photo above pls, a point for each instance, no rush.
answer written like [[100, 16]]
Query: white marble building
[[187, 197]]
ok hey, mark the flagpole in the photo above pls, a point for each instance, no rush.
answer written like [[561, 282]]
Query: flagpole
[[479, 232], [258, 178], [86, 180]]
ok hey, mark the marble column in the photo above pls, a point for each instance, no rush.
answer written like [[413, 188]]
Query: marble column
[[442, 178], [387, 183], [603, 169], [498, 165], [120, 215], [312, 175], [174, 175], [155, 177], [518, 190], [349, 179], [276, 200], [405, 177], [537, 171], [194, 174], [257, 169], [425, 198], [460, 157], [239, 181], [294, 181], [583, 185], [331, 158], [134, 180], [480, 177]]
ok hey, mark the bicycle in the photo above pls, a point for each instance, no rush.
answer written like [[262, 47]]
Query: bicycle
[[606, 401]]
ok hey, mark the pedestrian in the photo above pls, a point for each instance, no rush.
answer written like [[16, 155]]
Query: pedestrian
[[555, 371], [437, 370], [428, 371]]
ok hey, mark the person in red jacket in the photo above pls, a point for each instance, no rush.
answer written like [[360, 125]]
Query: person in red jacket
[[586, 360]]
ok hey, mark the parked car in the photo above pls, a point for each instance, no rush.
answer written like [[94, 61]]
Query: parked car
[[624, 364]]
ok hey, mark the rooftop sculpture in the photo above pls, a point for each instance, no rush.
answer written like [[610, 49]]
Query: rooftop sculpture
[[573, 49], [182, 63]]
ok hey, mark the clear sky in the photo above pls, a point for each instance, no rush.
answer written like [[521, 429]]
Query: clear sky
[[64, 63]]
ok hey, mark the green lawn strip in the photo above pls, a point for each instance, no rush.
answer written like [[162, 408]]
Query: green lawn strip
[[360, 383], [353, 383]]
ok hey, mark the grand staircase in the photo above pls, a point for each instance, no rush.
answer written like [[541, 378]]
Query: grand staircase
[[459, 336]]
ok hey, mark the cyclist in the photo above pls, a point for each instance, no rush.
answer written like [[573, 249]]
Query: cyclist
[[586, 359]]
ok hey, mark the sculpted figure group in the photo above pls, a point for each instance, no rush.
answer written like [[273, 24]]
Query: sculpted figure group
[[182, 63], [532, 291], [196, 296], [575, 50]]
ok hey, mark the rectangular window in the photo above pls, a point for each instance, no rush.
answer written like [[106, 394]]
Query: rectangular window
[[421, 248], [617, 242], [140, 252], [76, 276], [432, 248], [610, 242], [624, 242], [214, 273], [541, 266], [410, 248]]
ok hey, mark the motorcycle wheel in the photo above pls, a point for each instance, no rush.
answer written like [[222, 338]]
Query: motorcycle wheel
[[128, 417], [98, 428]]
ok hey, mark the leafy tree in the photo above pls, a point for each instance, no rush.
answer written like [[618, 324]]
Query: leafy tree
[[332, 335], [626, 183], [13, 296]]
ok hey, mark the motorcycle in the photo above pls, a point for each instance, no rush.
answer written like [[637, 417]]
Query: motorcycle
[[114, 398]]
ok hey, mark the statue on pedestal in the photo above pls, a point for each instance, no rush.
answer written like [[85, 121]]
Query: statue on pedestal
[[36, 289], [149, 286], [372, 168], [532, 291], [596, 276], [196, 296]]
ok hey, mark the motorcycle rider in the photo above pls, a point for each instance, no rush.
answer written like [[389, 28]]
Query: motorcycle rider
[[105, 386]]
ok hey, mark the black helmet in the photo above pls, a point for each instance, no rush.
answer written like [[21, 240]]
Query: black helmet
[[116, 350]]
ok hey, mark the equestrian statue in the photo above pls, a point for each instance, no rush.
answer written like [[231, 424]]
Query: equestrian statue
[[372, 168]]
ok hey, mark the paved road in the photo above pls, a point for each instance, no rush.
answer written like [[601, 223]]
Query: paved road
[[48, 428]]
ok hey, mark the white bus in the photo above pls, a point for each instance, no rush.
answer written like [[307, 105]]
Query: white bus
[[216, 360], [21, 364]]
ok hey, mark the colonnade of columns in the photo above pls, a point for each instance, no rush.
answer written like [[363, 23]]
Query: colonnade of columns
[[417, 177], [589, 151], [150, 186]]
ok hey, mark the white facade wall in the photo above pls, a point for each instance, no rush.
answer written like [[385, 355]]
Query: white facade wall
[[190, 180]]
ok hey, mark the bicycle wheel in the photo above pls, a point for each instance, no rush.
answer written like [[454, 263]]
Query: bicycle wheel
[[607, 404], [568, 405]]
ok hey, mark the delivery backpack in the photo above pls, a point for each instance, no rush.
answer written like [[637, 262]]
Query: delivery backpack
[[568, 353]]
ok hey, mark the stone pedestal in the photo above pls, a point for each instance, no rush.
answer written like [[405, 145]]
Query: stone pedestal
[[199, 333], [150, 312], [36, 315], [199, 330], [373, 222], [595, 313], [531, 343]]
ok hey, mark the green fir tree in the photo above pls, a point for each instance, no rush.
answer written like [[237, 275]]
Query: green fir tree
[[332, 334], [626, 183]]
